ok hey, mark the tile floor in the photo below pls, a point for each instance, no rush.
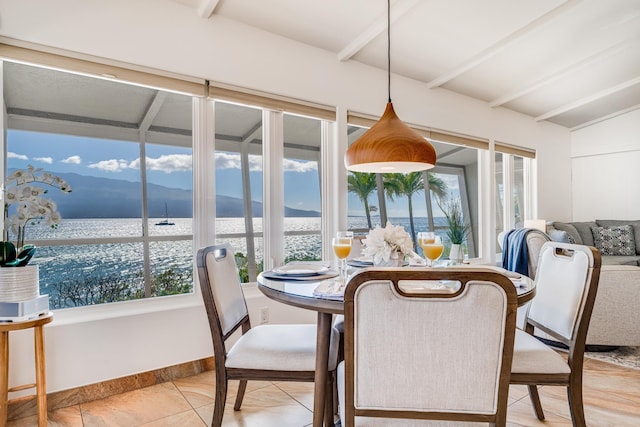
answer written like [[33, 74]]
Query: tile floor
[[611, 394]]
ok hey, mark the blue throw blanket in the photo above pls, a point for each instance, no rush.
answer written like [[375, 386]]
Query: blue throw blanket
[[515, 256]]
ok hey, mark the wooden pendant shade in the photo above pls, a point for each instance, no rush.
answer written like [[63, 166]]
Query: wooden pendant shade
[[390, 146]]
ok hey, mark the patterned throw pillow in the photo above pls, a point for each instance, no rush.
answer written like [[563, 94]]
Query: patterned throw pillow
[[615, 240]]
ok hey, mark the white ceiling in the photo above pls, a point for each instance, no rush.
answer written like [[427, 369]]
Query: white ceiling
[[570, 62]]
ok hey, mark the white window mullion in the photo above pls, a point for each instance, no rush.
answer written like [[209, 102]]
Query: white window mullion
[[204, 208], [530, 202], [334, 180], [273, 188], [509, 207], [3, 140], [488, 195]]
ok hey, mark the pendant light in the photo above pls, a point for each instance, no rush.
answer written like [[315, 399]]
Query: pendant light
[[390, 146]]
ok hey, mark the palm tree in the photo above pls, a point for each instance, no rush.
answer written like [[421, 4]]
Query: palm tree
[[437, 186], [397, 184], [362, 184]]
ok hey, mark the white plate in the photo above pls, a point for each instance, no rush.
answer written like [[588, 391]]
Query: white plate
[[301, 269], [364, 260]]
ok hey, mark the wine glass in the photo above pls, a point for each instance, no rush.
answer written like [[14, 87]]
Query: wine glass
[[342, 247], [432, 248], [425, 238]]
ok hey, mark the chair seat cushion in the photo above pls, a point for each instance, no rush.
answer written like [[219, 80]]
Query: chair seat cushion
[[280, 347], [532, 356]]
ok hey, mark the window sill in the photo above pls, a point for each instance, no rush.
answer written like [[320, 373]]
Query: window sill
[[76, 315]]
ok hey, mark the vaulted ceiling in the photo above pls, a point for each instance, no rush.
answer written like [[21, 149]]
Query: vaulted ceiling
[[569, 62]]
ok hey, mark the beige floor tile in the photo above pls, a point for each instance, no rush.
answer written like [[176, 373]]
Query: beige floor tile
[[601, 409], [135, 407], [65, 417], [517, 393], [300, 391], [183, 419], [199, 390], [265, 407], [521, 414]]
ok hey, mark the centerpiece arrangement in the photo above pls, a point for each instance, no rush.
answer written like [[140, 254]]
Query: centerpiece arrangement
[[388, 246], [25, 203]]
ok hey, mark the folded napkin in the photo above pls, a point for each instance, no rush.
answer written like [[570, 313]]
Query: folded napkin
[[416, 260], [329, 289]]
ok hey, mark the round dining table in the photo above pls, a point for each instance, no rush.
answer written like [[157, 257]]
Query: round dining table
[[299, 292]]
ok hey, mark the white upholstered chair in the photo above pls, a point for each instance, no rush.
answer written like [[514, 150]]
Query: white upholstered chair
[[566, 285], [266, 352], [427, 356]]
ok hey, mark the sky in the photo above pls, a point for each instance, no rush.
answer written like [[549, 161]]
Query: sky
[[171, 166]]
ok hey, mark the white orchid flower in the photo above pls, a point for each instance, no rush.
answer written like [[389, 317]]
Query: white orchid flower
[[382, 243]]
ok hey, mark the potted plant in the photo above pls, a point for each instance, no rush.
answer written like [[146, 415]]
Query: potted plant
[[457, 229], [24, 203]]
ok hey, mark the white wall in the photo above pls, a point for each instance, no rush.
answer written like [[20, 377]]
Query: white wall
[[605, 160], [168, 36]]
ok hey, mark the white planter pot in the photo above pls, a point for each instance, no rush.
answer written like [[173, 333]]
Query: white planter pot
[[456, 255], [19, 283]]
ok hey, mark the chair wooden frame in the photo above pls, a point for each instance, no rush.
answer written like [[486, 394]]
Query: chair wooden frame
[[394, 275], [576, 344], [224, 374]]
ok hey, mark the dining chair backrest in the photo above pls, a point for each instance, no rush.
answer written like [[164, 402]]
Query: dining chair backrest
[[566, 281], [434, 354], [221, 288]]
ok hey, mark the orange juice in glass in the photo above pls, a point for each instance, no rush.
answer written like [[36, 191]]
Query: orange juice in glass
[[431, 245], [342, 247]]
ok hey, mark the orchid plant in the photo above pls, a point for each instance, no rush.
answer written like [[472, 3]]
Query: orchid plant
[[382, 244], [30, 206]]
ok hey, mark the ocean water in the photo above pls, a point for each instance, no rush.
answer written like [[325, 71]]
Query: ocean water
[[84, 274]]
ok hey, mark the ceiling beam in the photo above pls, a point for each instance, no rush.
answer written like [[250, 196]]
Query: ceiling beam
[[502, 44], [207, 7], [152, 111], [588, 99], [607, 117], [375, 29], [571, 69]]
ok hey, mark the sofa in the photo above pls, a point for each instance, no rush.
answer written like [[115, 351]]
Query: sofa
[[616, 314]]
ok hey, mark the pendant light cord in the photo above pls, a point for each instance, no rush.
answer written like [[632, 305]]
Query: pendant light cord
[[389, 47]]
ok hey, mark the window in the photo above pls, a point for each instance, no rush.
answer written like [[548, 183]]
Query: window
[[126, 152], [513, 195], [238, 171], [239, 184], [414, 200], [302, 216]]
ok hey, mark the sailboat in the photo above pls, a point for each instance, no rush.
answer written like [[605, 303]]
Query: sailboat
[[166, 215]]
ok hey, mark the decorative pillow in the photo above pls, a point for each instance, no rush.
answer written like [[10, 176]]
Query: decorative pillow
[[616, 240], [561, 236]]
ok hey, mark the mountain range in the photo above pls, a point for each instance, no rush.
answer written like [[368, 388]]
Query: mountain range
[[93, 197]]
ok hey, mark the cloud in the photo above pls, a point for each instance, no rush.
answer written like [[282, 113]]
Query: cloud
[[73, 160], [227, 161], [167, 164], [112, 165], [232, 161], [12, 155], [47, 160], [297, 166], [451, 181]]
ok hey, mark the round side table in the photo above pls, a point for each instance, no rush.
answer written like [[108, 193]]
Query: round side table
[[40, 384]]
